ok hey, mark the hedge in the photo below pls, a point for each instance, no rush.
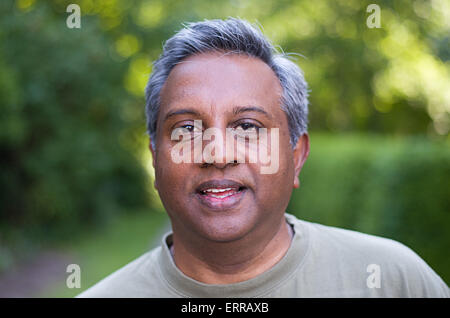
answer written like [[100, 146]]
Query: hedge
[[392, 187]]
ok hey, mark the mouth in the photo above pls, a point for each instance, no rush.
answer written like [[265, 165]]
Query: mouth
[[220, 194]]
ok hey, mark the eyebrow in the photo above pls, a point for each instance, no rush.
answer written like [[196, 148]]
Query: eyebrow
[[181, 112], [236, 111], [243, 109]]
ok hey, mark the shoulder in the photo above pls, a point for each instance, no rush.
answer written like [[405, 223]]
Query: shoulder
[[402, 271], [135, 279]]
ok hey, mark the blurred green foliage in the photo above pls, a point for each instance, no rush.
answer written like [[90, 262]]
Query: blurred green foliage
[[395, 188], [72, 144], [64, 162]]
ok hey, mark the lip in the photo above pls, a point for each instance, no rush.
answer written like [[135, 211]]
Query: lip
[[219, 184], [213, 201]]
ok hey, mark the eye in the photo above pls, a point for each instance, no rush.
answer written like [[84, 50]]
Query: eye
[[246, 129], [189, 128], [247, 126]]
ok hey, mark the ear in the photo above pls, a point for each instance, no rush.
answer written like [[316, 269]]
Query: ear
[[301, 152], [150, 147], [152, 151]]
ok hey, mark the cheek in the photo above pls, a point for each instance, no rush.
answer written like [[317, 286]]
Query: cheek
[[275, 189], [169, 175], [276, 185]]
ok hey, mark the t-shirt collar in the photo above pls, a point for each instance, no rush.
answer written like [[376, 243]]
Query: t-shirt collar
[[254, 287]]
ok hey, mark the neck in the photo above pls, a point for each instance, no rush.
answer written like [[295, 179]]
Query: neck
[[232, 262]]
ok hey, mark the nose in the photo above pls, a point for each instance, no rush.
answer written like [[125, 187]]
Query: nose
[[218, 150]]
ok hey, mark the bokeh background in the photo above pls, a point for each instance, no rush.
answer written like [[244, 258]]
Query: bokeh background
[[75, 171]]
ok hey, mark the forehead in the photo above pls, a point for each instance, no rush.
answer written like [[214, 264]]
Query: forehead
[[222, 79]]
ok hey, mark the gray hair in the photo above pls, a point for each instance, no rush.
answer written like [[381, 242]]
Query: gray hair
[[235, 36]]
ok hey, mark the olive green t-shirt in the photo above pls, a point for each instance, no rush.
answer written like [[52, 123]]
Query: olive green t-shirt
[[321, 261]]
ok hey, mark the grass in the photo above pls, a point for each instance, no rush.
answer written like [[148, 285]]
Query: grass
[[102, 252]]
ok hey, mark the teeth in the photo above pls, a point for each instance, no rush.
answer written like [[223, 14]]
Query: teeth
[[217, 190], [214, 192], [221, 196]]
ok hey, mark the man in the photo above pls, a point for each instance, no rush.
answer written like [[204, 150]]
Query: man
[[231, 236]]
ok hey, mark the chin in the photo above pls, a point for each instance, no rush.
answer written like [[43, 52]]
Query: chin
[[226, 227]]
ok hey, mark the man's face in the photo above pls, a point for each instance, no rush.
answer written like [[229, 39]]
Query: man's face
[[223, 202]]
